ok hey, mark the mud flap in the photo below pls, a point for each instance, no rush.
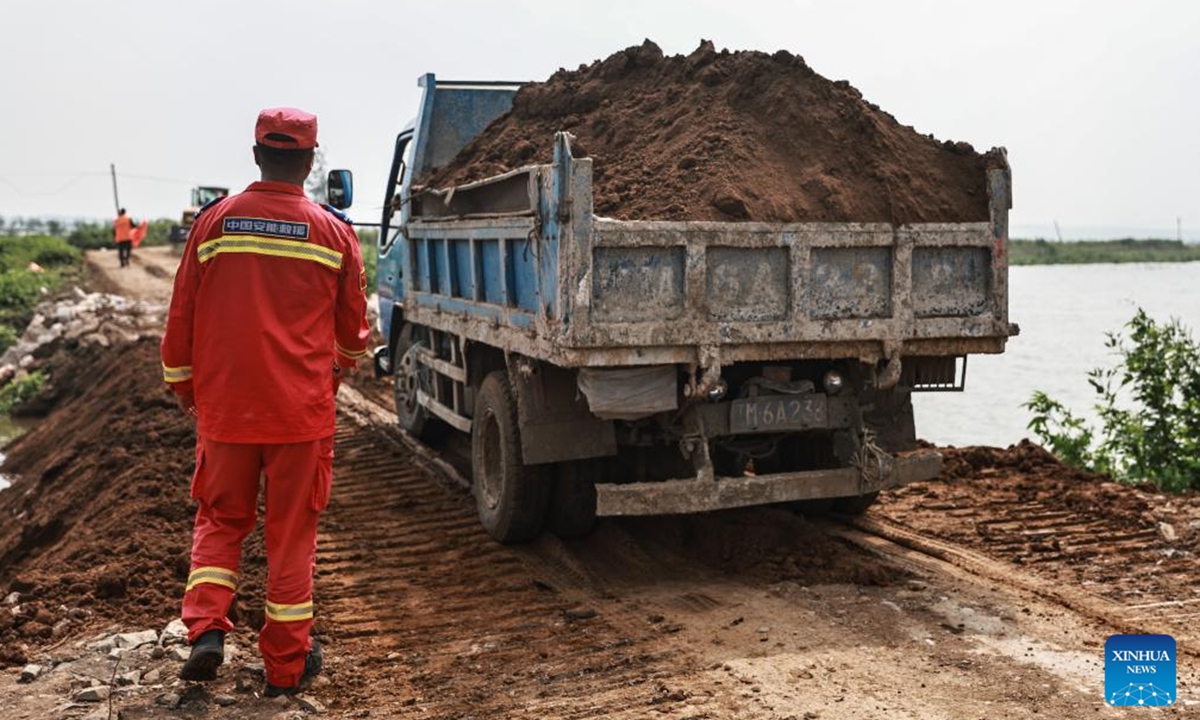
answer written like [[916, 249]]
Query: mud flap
[[556, 425]]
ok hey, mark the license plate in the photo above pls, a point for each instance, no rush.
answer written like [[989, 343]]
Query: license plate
[[777, 412]]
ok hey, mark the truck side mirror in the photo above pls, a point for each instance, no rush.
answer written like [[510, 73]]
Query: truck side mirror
[[341, 188]]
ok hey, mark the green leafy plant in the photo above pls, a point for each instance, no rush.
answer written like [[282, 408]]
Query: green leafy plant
[[21, 288], [1064, 434], [8, 338], [1148, 405], [21, 389]]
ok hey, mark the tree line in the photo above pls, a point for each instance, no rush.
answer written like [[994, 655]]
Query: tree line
[[83, 234]]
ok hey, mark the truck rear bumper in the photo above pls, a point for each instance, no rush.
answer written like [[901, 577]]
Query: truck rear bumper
[[695, 495]]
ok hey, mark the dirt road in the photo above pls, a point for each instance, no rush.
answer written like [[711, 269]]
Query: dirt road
[[150, 276], [940, 604]]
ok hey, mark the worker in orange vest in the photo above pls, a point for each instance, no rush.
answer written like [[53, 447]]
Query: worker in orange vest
[[123, 227], [269, 302]]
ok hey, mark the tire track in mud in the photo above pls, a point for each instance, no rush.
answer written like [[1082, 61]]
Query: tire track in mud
[[899, 544], [425, 603], [1103, 549], [459, 626]]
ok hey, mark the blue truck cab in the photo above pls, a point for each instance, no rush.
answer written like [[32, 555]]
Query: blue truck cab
[[610, 367]]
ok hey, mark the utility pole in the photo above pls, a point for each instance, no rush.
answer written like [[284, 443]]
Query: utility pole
[[1179, 228], [116, 200], [1056, 230]]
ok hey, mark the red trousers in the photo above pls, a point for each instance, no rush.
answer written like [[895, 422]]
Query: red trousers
[[298, 477]]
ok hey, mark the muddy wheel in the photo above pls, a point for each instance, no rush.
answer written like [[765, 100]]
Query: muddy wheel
[[573, 505], [856, 505], [409, 377], [511, 497]]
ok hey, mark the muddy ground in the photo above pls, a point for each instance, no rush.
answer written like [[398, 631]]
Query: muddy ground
[[759, 613], [730, 136]]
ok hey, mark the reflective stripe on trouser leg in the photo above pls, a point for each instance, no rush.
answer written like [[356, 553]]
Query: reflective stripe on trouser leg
[[297, 479], [289, 613], [225, 485], [213, 575]]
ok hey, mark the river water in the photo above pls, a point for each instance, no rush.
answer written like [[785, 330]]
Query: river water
[[1064, 312]]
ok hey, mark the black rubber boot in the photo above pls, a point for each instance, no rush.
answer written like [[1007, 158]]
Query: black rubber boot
[[313, 662], [208, 652]]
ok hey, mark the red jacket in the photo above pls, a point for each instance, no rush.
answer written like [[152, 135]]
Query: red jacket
[[270, 292]]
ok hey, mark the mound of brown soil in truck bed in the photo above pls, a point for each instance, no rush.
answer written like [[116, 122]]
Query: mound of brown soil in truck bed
[[730, 136]]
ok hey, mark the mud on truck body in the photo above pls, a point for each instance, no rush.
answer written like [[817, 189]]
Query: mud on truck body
[[608, 367]]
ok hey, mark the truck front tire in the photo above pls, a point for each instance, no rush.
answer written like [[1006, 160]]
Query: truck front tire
[[511, 498], [406, 380]]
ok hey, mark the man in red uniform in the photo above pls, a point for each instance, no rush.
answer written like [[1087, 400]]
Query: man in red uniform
[[269, 302]]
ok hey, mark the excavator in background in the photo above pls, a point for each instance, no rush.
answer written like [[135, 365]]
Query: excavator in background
[[201, 196]]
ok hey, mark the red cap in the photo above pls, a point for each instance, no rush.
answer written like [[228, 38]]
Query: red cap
[[286, 128]]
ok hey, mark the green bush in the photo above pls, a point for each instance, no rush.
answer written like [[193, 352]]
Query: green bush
[[20, 290], [1148, 405], [21, 389], [98, 235], [8, 338], [49, 252], [91, 236]]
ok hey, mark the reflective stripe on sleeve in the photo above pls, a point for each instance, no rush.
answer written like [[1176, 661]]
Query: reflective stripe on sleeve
[[352, 354], [212, 575], [177, 374], [257, 245], [289, 613]]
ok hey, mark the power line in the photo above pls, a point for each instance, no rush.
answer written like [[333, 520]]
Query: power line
[[12, 181], [60, 189]]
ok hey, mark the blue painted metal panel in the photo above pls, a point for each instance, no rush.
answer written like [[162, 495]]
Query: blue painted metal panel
[[439, 256], [460, 257], [451, 115], [467, 308], [423, 272], [493, 283], [522, 268]]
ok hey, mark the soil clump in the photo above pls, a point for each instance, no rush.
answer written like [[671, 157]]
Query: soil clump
[[730, 136]]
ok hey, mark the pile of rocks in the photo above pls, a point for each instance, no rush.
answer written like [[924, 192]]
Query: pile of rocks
[[138, 670], [90, 319]]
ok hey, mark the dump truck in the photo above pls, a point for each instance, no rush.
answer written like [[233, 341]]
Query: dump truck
[[605, 367]]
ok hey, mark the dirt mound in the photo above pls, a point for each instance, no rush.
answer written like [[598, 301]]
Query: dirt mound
[[1022, 505], [98, 523], [730, 136], [1027, 472]]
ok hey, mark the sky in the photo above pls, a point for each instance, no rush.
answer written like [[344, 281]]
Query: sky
[[1097, 102]]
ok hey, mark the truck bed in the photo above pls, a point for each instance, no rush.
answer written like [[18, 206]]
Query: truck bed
[[520, 261]]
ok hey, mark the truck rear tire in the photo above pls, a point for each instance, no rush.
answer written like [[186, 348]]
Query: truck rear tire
[[573, 505], [511, 497], [406, 380]]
